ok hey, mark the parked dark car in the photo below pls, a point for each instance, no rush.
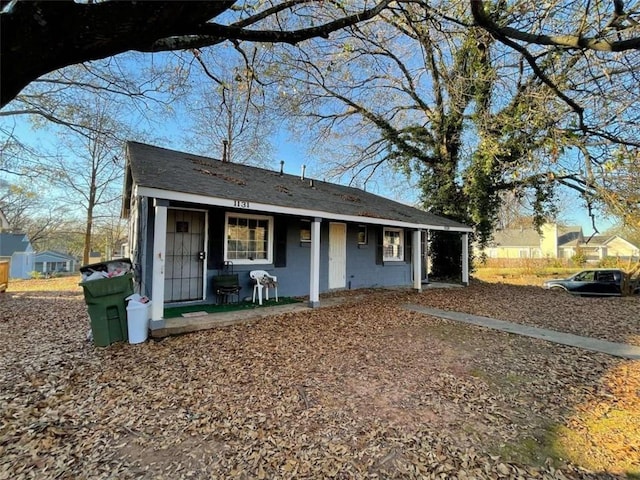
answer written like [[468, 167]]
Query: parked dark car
[[592, 282]]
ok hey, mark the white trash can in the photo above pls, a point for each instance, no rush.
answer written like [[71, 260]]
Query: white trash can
[[138, 314]]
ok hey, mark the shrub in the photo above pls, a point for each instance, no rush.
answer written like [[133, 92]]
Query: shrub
[[609, 262], [579, 259]]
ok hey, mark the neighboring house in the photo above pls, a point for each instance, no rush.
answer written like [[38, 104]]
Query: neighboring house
[[16, 248], [50, 261], [597, 247], [556, 241], [191, 214], [122, 252], [94, 257]]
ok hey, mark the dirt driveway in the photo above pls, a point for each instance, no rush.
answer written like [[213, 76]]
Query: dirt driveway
[[365, 389]]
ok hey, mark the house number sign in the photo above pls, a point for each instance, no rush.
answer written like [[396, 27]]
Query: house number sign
[[240, 204]]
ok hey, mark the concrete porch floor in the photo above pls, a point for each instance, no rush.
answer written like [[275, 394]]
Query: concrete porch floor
[[176, 326]]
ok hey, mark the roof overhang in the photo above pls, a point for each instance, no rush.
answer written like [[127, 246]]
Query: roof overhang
[[262, 207]]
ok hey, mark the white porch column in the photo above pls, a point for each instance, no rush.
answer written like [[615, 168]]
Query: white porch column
[[426, 256], [44, 267], [416, 259], [465, 258], [314, 274], [159, 249]]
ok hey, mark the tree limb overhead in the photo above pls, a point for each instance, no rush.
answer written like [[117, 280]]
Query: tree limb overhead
[[42, 36]]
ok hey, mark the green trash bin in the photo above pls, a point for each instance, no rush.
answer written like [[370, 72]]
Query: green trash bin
[[105, 299]]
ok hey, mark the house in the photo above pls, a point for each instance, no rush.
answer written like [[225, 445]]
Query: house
[[191, 214], [94, 257], [50, 261], [16, 248], [555, 241], [598, 247]]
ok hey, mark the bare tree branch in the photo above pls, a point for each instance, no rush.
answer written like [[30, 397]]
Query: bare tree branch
[[479, 10], [41, 36]]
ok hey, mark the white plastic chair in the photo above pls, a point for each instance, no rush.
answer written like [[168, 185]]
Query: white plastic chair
[[263, 280]]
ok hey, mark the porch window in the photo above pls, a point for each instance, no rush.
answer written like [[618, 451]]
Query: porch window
[[363, 237], [249, 239], [392, 245]]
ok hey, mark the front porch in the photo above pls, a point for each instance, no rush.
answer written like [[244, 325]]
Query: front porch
[[193, 323], [186, 324]]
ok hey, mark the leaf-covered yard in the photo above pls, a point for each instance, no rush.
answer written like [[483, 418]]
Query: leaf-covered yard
[[365, 389]]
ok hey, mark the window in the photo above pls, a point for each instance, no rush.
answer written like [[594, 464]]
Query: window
[[606, 277], [305, 233], [363, 238], [249, 239], [587, 276], [392, 244]]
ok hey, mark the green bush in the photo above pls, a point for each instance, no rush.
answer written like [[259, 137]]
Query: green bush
[[35, 275], [579, 259]]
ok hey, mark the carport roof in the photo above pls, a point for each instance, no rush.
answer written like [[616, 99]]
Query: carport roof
[[162, 170]]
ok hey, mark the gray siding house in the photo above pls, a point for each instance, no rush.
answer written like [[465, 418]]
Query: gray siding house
[[189, 215], [17, 249]]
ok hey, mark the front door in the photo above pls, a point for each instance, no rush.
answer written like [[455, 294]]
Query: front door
[[337, 255], [185, 256]]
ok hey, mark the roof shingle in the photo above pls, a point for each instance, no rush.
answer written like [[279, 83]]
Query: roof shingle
[[170, 170]]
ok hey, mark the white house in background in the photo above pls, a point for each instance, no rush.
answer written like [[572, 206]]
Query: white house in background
[[598, 247], [16, 248], [555, 241]]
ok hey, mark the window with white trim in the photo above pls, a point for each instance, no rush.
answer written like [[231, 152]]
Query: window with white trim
[[393, 245], [363, 237], [248, 239]]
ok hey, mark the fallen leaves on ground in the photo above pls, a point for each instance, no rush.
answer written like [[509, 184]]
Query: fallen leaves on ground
[[364, 389]]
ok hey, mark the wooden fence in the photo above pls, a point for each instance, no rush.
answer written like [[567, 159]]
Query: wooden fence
[[4, 276]]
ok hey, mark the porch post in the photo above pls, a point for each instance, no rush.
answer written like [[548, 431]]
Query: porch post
[[159, 249], [465, 258], [416, 259], [314, 275], [426, 256]]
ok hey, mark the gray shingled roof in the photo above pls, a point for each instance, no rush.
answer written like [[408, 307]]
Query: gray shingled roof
[[569, 236], [53, 256], [525, 237], [597, 240], [164, 169], [529, 237], [11, 243]]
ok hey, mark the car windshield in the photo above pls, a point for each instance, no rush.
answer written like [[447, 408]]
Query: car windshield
[[587, 276]]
